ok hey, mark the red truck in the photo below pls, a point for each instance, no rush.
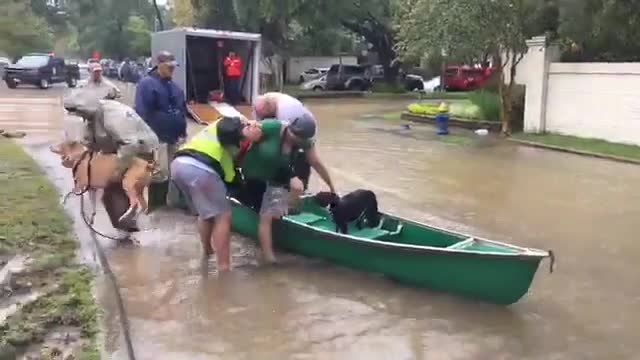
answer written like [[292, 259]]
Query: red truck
[[466, 78]]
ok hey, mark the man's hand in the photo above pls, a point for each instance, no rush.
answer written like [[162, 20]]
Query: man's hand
[[181, 141], [296, 186]]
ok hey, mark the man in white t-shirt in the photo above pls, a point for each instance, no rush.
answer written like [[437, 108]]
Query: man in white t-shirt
[[286, 108], [280, 106]]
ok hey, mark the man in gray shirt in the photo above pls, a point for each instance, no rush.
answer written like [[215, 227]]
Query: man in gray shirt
[[286, 108]]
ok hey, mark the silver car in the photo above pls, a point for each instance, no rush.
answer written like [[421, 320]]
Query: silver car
[[318, 84]]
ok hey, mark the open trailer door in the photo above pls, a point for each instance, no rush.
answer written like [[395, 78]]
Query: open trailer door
[[200, 74]]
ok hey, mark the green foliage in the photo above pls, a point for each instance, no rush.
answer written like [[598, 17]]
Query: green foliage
[[605, 30], [464, 110], [488, 103], [117, 28], [21, 30], [139, 37]]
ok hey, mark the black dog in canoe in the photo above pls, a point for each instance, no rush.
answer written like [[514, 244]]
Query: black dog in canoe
[[356, 205]]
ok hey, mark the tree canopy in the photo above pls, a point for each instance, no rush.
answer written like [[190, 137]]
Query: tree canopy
[[594, 30], [21, 30]]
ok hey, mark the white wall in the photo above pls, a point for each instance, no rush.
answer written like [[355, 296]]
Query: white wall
[[296, 65], [597, 100]]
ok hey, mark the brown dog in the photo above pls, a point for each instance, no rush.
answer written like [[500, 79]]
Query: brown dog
[[103, 167]]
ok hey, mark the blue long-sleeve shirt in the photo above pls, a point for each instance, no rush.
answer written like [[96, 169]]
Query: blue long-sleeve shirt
[[161, 104]]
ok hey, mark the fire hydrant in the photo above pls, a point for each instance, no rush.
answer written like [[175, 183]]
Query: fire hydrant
[[442, 119]]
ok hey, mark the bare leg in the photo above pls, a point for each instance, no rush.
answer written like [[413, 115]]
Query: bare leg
[[205, 229], [266, 241], [221, 240]]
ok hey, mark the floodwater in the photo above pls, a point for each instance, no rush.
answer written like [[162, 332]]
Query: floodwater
[[584, 209]]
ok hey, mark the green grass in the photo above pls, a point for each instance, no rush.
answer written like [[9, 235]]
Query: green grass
[[32, 222], [583, 144]]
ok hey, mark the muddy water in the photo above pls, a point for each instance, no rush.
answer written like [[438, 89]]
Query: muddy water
[[582, 208]]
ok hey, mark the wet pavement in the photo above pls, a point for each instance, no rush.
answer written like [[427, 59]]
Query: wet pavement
[[585, 209]]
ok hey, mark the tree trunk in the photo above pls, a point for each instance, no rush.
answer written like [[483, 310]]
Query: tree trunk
[[506, 95], [158, 15]]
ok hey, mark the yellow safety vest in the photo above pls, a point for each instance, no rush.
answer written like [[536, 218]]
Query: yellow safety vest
[[206, 142]]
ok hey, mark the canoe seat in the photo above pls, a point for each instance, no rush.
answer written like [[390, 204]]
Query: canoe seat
[[462, 244], [369, 233], [305, 218]]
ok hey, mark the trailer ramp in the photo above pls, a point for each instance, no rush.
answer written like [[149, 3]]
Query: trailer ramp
[[208, 113]]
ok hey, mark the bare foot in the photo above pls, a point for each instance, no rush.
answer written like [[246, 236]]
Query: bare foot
[[208, 251], [269, 259]]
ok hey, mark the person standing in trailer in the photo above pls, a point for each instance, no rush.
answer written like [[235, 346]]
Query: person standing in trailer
[[233, 74]]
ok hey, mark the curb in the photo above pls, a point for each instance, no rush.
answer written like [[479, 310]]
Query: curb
[[574, 151], [465, 124], [331, 95]]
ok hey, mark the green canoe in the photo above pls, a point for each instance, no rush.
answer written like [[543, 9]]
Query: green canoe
[[407, 251]]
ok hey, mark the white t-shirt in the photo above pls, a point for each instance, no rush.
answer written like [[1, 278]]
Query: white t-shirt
[[290, 108]]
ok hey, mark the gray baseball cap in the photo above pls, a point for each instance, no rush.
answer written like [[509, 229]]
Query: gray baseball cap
[[304, 126], [166, 57]]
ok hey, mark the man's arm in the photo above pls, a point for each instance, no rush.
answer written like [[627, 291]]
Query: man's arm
[[144, 100], [114, 92], [314, 160]]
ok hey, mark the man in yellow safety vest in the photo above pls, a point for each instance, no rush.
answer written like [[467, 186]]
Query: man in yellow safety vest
[[202, 170]]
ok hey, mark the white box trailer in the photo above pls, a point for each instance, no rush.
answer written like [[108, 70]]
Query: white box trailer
[[200, 54]]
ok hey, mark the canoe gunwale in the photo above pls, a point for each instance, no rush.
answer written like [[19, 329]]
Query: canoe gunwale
[[530, 254]]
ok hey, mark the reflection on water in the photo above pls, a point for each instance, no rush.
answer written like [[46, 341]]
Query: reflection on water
[[585, 209]]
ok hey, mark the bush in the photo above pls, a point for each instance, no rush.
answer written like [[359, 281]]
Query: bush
[[424, 109], [464, 110], [489, 104]]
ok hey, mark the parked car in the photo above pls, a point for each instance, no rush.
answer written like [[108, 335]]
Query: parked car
[[311, 74], [315, 84], [465, 78], [414, 82], [348, 77], [4, 62], [431, 85], [41, 70]]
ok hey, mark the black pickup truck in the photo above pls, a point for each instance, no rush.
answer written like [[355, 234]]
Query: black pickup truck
[[41, 70]]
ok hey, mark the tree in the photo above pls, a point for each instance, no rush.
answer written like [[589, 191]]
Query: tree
[[218, 14], [115, 27], [21, 30], [466, 29], [372, 19], [182, 11], [139, 37], [603, 30], [158, 15]]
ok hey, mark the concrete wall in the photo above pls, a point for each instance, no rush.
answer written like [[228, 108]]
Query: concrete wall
[[594, 100], [297, 65], [597, 100]]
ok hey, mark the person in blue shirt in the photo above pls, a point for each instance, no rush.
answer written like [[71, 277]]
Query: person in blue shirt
[[161, 104]]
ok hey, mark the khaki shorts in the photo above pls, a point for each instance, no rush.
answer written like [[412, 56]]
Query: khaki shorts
[[204, 190], [275, 201]]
